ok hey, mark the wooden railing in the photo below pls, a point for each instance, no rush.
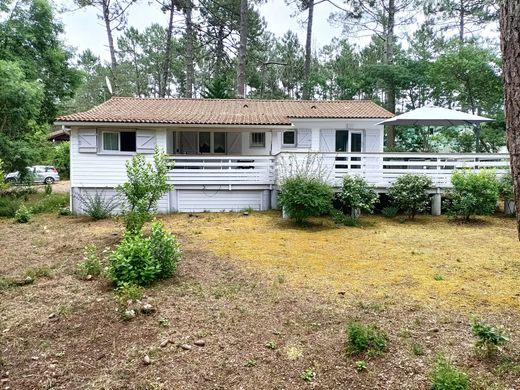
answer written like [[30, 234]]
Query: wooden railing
[[221, 170]]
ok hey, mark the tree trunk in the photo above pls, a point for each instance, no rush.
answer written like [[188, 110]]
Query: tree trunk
[[111, 47], [389, 60], [190, 67], [510, 44], [462, 22], [219, 55], [241, 73], [308, 53], [167, 54]]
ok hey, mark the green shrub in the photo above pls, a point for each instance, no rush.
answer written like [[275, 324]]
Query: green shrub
[[389, 212], [8, 206], [97, 206], [18, 192], [64, 211], [3, 184], [128, 292], [50, 203], [367, 339], [61, 159], [447, 377], [409, 194], [356, 194], [48, 189], [146, 185], [490, 338], [344, 219], [142, 261], [473, 194], [91, 265], [303, 197], [22, 215], [506, 189]]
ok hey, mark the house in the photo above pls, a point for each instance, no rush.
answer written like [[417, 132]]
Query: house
[[230, 154]]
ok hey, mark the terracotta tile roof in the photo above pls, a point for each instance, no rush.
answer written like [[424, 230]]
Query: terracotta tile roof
[[224, 111]]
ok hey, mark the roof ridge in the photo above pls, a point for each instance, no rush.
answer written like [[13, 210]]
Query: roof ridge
[[240, 100]]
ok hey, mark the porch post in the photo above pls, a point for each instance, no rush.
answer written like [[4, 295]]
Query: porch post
[[436, 203]]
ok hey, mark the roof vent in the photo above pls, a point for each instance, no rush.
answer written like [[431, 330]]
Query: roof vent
[[245, 106], [313, 107]]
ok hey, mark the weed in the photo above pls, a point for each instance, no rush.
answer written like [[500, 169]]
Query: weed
[[97, 206], [91, 265], [270, 344], [64, 211], [344, 219], [251, 363], [490, 338], [165, 323], [361, 365], [48, 189], [50, 203], [294, 353], [447, 377], [389, 212], [417, 349], [8, 206], [363, 338], [22, 215], [129, 292], [438, 277], [309, 375], [39, 272]]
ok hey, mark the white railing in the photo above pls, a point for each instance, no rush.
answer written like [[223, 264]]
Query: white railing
[[221, 170], [381, 169]]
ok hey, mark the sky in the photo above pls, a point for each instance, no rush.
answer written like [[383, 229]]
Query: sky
[[84, 30]]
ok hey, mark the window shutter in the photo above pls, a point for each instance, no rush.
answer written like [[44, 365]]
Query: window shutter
[[87, 141], [373, 142], [145, 141], [234, 143], [188, 142], [304, 137], [327, 140]]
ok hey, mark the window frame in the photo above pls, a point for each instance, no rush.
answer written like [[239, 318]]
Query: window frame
[[257, 145], [118, 151], [293, 145], [212, 143]]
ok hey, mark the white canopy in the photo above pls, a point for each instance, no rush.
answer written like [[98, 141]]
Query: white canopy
[[435, 116]]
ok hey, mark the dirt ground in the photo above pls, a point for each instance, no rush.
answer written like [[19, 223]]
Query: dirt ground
[[61, 332]]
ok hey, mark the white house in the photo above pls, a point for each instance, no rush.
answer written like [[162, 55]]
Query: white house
[[228, 153]]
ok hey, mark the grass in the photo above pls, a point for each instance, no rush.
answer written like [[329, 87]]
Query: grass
[[431, 261]]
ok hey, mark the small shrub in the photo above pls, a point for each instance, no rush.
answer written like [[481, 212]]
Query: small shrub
[[64, 211], [39, 272], [490, 339], [50, 203], [8, 206], [473, 194], [303, 197], [48, 189], [22, 215], [361, 365], [128, 292], [409, 194], [365, 339], [356, 194], [270, 345], [389, 212], [142, 261], [447, 377], [309, 375], [344, 219], [97, 206], [506, 189], [91, 265]]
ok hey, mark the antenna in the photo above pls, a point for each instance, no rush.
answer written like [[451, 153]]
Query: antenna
[[109, 85]]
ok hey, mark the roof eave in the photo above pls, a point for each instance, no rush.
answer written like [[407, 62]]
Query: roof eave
[[166, 124]]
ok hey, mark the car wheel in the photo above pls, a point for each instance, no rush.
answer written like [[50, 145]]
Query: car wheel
[[49, 180], [11, 181]]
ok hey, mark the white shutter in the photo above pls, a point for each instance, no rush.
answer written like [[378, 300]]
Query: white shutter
[[188, 142], [234, 144], [145, 141], [304, 138], [373, 141], [87, 141], [327, 140]]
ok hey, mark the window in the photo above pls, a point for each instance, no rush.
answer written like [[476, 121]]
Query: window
[[355, 142], [219, 142], [341, 141], [123, 141], [258, 140], [289, 138], [210, 142], [204, 142]]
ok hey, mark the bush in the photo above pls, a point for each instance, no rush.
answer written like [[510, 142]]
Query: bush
[[506, 189], [22, 215], [356, 194], [303, 197], [409, 194], [50, 203], [343, 219], [365, 339], [64, 211], [8, 206], [61, 159], [48, 189], [490, 338], [447, 377], [389, 212], [91, 265], [142, 261], [473, 194], [3, 184], [146, 185], [97, 206]]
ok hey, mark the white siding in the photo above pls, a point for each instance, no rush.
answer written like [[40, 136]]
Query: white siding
[[219, 200]]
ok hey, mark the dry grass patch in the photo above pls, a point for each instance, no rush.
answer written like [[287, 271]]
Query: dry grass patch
[[432, 261]]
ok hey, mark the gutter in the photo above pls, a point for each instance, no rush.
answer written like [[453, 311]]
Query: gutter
[[175, 125]]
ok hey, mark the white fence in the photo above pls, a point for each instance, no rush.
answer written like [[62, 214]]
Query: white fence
[[221, 170]]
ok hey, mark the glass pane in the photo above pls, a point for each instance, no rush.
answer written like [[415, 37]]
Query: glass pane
[[110, 141], [204, 142], [128, 141], [356, 142], [341, 140], [219, 142], [289, 137]]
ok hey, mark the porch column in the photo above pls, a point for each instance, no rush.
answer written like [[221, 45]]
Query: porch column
[[436, 203]]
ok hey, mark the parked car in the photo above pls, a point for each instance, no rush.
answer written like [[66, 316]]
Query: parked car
[[45, 174]]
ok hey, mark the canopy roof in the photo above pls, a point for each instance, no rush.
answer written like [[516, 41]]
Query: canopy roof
[[435, 116]]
